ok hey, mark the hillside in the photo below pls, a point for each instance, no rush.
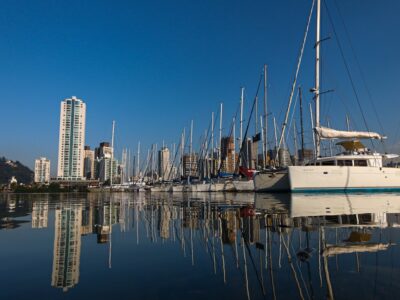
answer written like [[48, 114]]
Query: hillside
[[9, 168]]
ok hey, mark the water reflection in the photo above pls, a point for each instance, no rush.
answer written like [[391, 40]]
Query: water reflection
[[67, 245], [257, 246]]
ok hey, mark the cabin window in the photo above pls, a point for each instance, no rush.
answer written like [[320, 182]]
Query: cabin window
[[328, 163], [344, 163], [360, 163]]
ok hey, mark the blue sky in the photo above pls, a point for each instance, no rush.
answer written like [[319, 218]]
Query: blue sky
[[153, 66]]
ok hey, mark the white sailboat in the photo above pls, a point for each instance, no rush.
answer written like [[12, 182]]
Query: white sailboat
[[355, 169]]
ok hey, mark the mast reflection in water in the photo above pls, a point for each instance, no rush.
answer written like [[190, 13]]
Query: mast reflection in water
[[199, 246]]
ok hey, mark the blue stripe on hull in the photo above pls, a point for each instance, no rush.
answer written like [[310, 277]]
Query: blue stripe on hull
[[347, 190]]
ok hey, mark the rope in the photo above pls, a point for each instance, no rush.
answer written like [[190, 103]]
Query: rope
[[348, 70], [360, 70]]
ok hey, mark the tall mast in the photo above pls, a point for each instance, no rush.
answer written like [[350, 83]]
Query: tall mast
[[301, 123], [275, 134], [182, 151], [138, 161], [295, 143], [112, 153], [256, 118], [155, 160], [220, 136], [130, 169], [265, 118], [190, 150], [317, 70], [241, 117], [255, 134], [152, 163], [172, 159], [262, 140], [234, 138], [212, 143], [312, 125]]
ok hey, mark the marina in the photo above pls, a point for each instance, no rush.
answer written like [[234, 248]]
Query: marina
[[200, 150], [240, 246]]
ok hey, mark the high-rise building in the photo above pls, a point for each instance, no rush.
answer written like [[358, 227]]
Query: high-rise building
[[42, 170], [71, 139], [164, 165], [228, 154], [67, 246], [88, 169], [190, 165], [104, 167], [104, 150]]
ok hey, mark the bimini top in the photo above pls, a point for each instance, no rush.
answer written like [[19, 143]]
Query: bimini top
[[353, 145], [329, 133]]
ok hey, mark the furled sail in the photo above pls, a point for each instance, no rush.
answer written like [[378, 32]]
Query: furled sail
[[329, 133]]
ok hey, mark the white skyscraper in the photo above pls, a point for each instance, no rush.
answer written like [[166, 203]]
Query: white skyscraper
[[72, 139], [42, 170]]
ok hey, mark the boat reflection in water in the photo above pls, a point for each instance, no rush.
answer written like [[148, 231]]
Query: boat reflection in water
[[244, 246]]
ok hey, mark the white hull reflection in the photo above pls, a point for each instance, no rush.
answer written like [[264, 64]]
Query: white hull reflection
[[381, 207]]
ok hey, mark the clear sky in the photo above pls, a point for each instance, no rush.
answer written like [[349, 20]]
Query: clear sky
[[154, 65]]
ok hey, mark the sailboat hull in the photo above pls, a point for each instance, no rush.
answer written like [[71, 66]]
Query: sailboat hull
[[243, 185], [272, 182], [343, 178]]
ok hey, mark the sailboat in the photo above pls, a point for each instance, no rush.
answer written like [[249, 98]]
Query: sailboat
[[355, 169]]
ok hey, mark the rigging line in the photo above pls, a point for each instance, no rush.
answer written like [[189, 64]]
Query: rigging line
[[347, 69], [248, 124], [292, 117], [299, 269], [175, 156], [212, 129], [253, 263], [359, 66], [299, 60]]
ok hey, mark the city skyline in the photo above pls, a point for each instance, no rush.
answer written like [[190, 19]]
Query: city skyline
[[154, 69]]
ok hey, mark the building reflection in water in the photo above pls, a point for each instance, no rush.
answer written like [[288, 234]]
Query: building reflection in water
[[67, 246], [40, 213], [260, 236]]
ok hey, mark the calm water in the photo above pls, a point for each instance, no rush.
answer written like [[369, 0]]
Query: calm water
[[199, 246]]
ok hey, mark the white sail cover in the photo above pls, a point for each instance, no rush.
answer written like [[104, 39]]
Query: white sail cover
[[329, 133]]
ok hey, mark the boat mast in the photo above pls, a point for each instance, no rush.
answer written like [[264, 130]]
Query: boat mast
[[112, 153], [312, 126], [138, 161], [234, 139], [296, 149], [265, 118], [316, 89], [263, 142], [182, 151], [212, 143], [241, 124], [220, 137], [301, 123], [190, 150], [255, 134], [276, 137]]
